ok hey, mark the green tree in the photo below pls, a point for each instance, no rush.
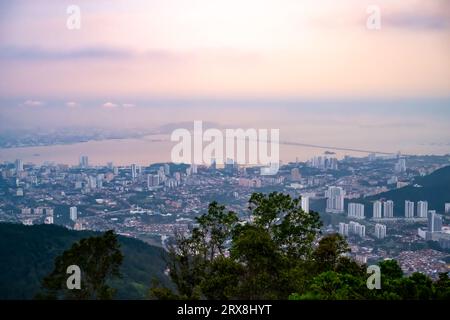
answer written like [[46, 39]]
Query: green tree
[[329, 252], [264, 254], [99, 259], [191, 257], [292, 229]]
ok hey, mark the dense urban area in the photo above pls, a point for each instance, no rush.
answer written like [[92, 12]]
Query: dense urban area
[[152, 202]]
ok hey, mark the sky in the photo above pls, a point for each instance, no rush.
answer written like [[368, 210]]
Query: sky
[[199, 53]]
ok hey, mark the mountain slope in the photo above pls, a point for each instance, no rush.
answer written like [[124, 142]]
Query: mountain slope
[[27, 254], [434, 188]]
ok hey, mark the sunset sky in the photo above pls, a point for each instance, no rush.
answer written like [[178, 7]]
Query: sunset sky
[[228, 49]]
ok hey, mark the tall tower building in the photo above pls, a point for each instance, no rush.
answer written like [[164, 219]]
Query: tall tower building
[[380, 231], [356, 210], [388, 208], [377, 210], [295, 174], [19, 165], [305, 204], [434, 221], [422, 209], [335, 199], [134, 171], [73, 213], [84, 162], [167, 169], [343, 229], [409, 209], [400, 166]]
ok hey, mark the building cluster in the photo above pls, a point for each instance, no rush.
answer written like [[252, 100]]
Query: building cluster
[[323, 162]]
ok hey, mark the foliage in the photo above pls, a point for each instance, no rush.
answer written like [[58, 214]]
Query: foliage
[[278, 253], [32, 250], [99, 259]]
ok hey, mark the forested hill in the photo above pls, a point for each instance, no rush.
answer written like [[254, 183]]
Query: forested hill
[[27, 254], [434, 188]]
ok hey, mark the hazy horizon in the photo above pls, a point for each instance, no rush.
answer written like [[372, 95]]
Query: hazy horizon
[[312, 69]]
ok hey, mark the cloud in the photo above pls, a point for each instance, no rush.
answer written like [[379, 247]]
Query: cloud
[[128, 105], [33, 53], [32, 103], [415, 21], [72, 104], [109, 105]]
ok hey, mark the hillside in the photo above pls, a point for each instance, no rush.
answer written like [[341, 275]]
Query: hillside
[[28, 252], [435, 188]]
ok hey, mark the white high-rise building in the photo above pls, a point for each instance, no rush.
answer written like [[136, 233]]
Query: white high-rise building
[[335, 199], [434, 222], [84, 162], [356, 210], [380, 231], [343, 229], [409, 209], [377, 210], [400, 166], [422, 209], [357, 229], [92, 182], [134, 171], [166, 169], [19, 165], [73, 213], [194, 168], [305, 204], [388, 208], [447, 208]]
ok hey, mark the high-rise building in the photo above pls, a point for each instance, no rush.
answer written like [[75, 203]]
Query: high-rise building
[[134, 171], [388, 208], [305, 204], [377, 210], [92, 182], [409, 209], [73, 213], [19, 165], [422, 209], [356, 210], [343, 229], [323, 162], [447, 208], [434, 222], [84, 162], [380, 231], [295, 174], [194, 168], [357, 228], [400, 166], [153, 180], [335, 199], [167, 169]]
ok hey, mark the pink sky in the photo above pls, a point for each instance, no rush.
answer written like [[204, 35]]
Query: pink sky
[[205, 48]]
